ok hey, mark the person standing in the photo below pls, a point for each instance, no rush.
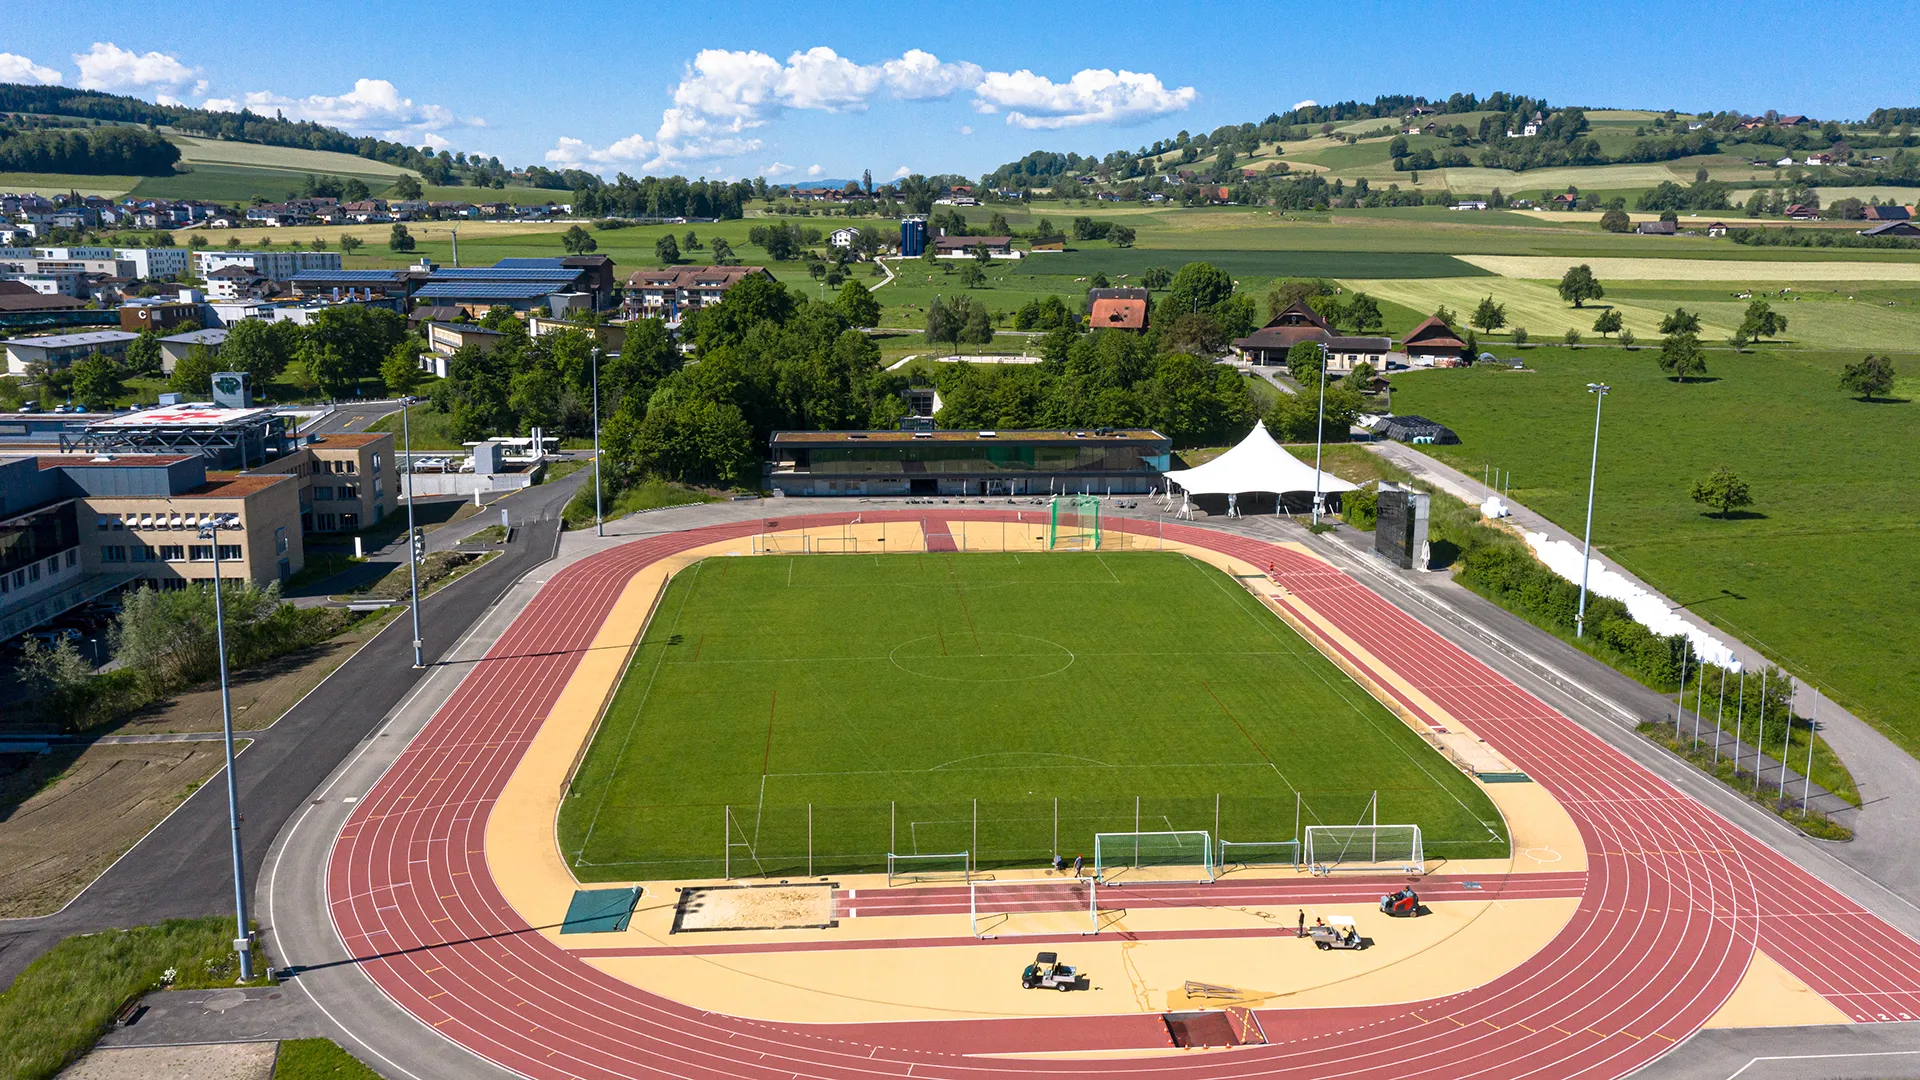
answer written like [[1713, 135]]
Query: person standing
[[1302, 932], [1078, 862]]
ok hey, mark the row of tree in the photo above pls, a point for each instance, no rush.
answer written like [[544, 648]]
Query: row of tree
[[116, 150]]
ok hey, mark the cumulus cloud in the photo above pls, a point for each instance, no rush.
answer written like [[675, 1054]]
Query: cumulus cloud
[[18, 69], [107, 66], [778, 168], [966, 129], [575, 153], [373, 106], [1093, 96], [725, 94], [1306, 104], [814, 170], [902, 172]]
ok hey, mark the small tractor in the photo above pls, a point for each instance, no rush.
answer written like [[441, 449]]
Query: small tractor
[[1404, 904], [1048, 973]]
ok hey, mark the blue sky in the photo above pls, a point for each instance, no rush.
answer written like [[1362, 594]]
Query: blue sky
[[788, 91]]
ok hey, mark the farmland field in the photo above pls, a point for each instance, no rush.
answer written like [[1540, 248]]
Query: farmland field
[[197, 151], [852, 683], [1256, 263], [1810, 574], [52, 184]]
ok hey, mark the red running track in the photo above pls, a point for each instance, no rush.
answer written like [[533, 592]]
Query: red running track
[[1676, 899]]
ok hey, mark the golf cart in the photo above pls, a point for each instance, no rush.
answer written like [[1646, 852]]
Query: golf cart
[[1401, 905], [1338, 932], [1048, 973]]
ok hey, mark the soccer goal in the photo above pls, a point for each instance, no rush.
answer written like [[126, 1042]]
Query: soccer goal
[[1028, 906], [907, 869], [1259, 854], [777, 544], [1364, 847], [1152, 856], [1074, 523]]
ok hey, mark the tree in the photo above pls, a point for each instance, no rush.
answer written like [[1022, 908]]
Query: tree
[[1608, 323], [1156, 277], [143, 355], [193, 375], [399, 239], [1762, 321], [1489, 316], [723, 252], [972, 276], [349, 243], [1627, 339], [1197, 287], [856, 302], [355, 190], [1870, 378], [1572, 336], [1099, 280], [401, 370], [1680, 356], [667, 250], [1723, 490], [96, 381], [1578, 285], [941, 324], [1520, 336], [1681, 321], [690, 242], [1120, 236], [1363, 313], [261, 349], [978, 329], [1616, 220], [578, 241], [1303, 362], [407, 187]]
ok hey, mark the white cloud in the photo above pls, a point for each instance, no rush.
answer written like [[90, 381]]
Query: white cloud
[[18, 69], [966, 129], [373, 106], [814, 170], [920, 76], [776, 169], [168, 100], [1092, 96], [575, 153], [902, 172], [109, 67], [1306, 104]]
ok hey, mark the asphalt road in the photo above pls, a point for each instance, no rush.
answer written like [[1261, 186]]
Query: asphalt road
[[183, 867], [353, 417]]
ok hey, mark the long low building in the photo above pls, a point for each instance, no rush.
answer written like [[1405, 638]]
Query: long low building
[[956, 463]]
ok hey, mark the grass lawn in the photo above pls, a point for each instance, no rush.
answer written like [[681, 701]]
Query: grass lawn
[[645, 495], [1809, 574], [61, 1004], [52, 184], [318, 1059], [929, 681]]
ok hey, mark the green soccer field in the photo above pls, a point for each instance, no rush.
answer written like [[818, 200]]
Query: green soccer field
[[890, 693]]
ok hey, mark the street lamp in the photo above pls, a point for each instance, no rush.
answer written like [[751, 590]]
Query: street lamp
[[1319, 425], [1599, 392], [242, 939], [599, 526], [413, 558]]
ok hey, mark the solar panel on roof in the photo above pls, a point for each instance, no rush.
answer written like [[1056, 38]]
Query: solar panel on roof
[[347, 275], [488, 290], [490, 273]]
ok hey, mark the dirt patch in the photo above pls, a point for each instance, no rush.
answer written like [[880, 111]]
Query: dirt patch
[[106, 798], [260, 694], [222, 1061], [755, 907]]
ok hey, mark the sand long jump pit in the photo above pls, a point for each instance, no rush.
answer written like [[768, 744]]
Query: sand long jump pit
[[754, 907]]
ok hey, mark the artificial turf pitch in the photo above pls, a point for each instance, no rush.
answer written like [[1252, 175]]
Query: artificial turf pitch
[[894, 693]]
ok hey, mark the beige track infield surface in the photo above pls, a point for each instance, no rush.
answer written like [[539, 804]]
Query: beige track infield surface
[[1771, 996], [833, 975]]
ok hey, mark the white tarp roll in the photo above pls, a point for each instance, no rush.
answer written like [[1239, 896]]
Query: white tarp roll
[[1646, 608]]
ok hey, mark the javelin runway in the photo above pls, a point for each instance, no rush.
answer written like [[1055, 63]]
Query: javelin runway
[[1676, 899]]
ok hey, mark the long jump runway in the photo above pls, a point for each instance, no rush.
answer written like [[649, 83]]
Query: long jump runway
[[1676, 898]]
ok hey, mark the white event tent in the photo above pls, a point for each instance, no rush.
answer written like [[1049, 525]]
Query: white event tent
[[1258, 464]]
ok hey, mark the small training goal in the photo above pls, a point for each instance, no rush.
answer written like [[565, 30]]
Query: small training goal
[[1258, 854], [907, 869], [1364, 847], [1152, 856], [1029, 906], [1074, 523]]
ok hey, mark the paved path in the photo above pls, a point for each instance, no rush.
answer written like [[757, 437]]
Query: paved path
[[1888, 778]]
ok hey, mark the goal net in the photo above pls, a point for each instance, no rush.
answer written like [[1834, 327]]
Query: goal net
[[1152, 856], [906, 869], [1028, 906], [779, 544], [1364, 847], [1074, 523], [1258, 854]]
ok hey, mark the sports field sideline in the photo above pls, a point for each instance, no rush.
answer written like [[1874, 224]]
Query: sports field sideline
[[935, 704]]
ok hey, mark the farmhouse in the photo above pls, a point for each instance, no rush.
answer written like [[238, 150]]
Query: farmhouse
[[962, 247], [671, 291], [1117, 314], [1657, 228], [1268, 346], [1892, 228], [1803, 212], [1890, 212], [1433, 344]]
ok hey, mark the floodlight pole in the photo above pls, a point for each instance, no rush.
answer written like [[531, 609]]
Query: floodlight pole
[[599, 526], [413, 571], [1319, 426], [242, 938], [1806, 786], [1599, 390]]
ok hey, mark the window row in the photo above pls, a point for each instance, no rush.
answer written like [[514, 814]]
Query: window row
[[163, 520], [32, 572], [344, 491], [140, 553]]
